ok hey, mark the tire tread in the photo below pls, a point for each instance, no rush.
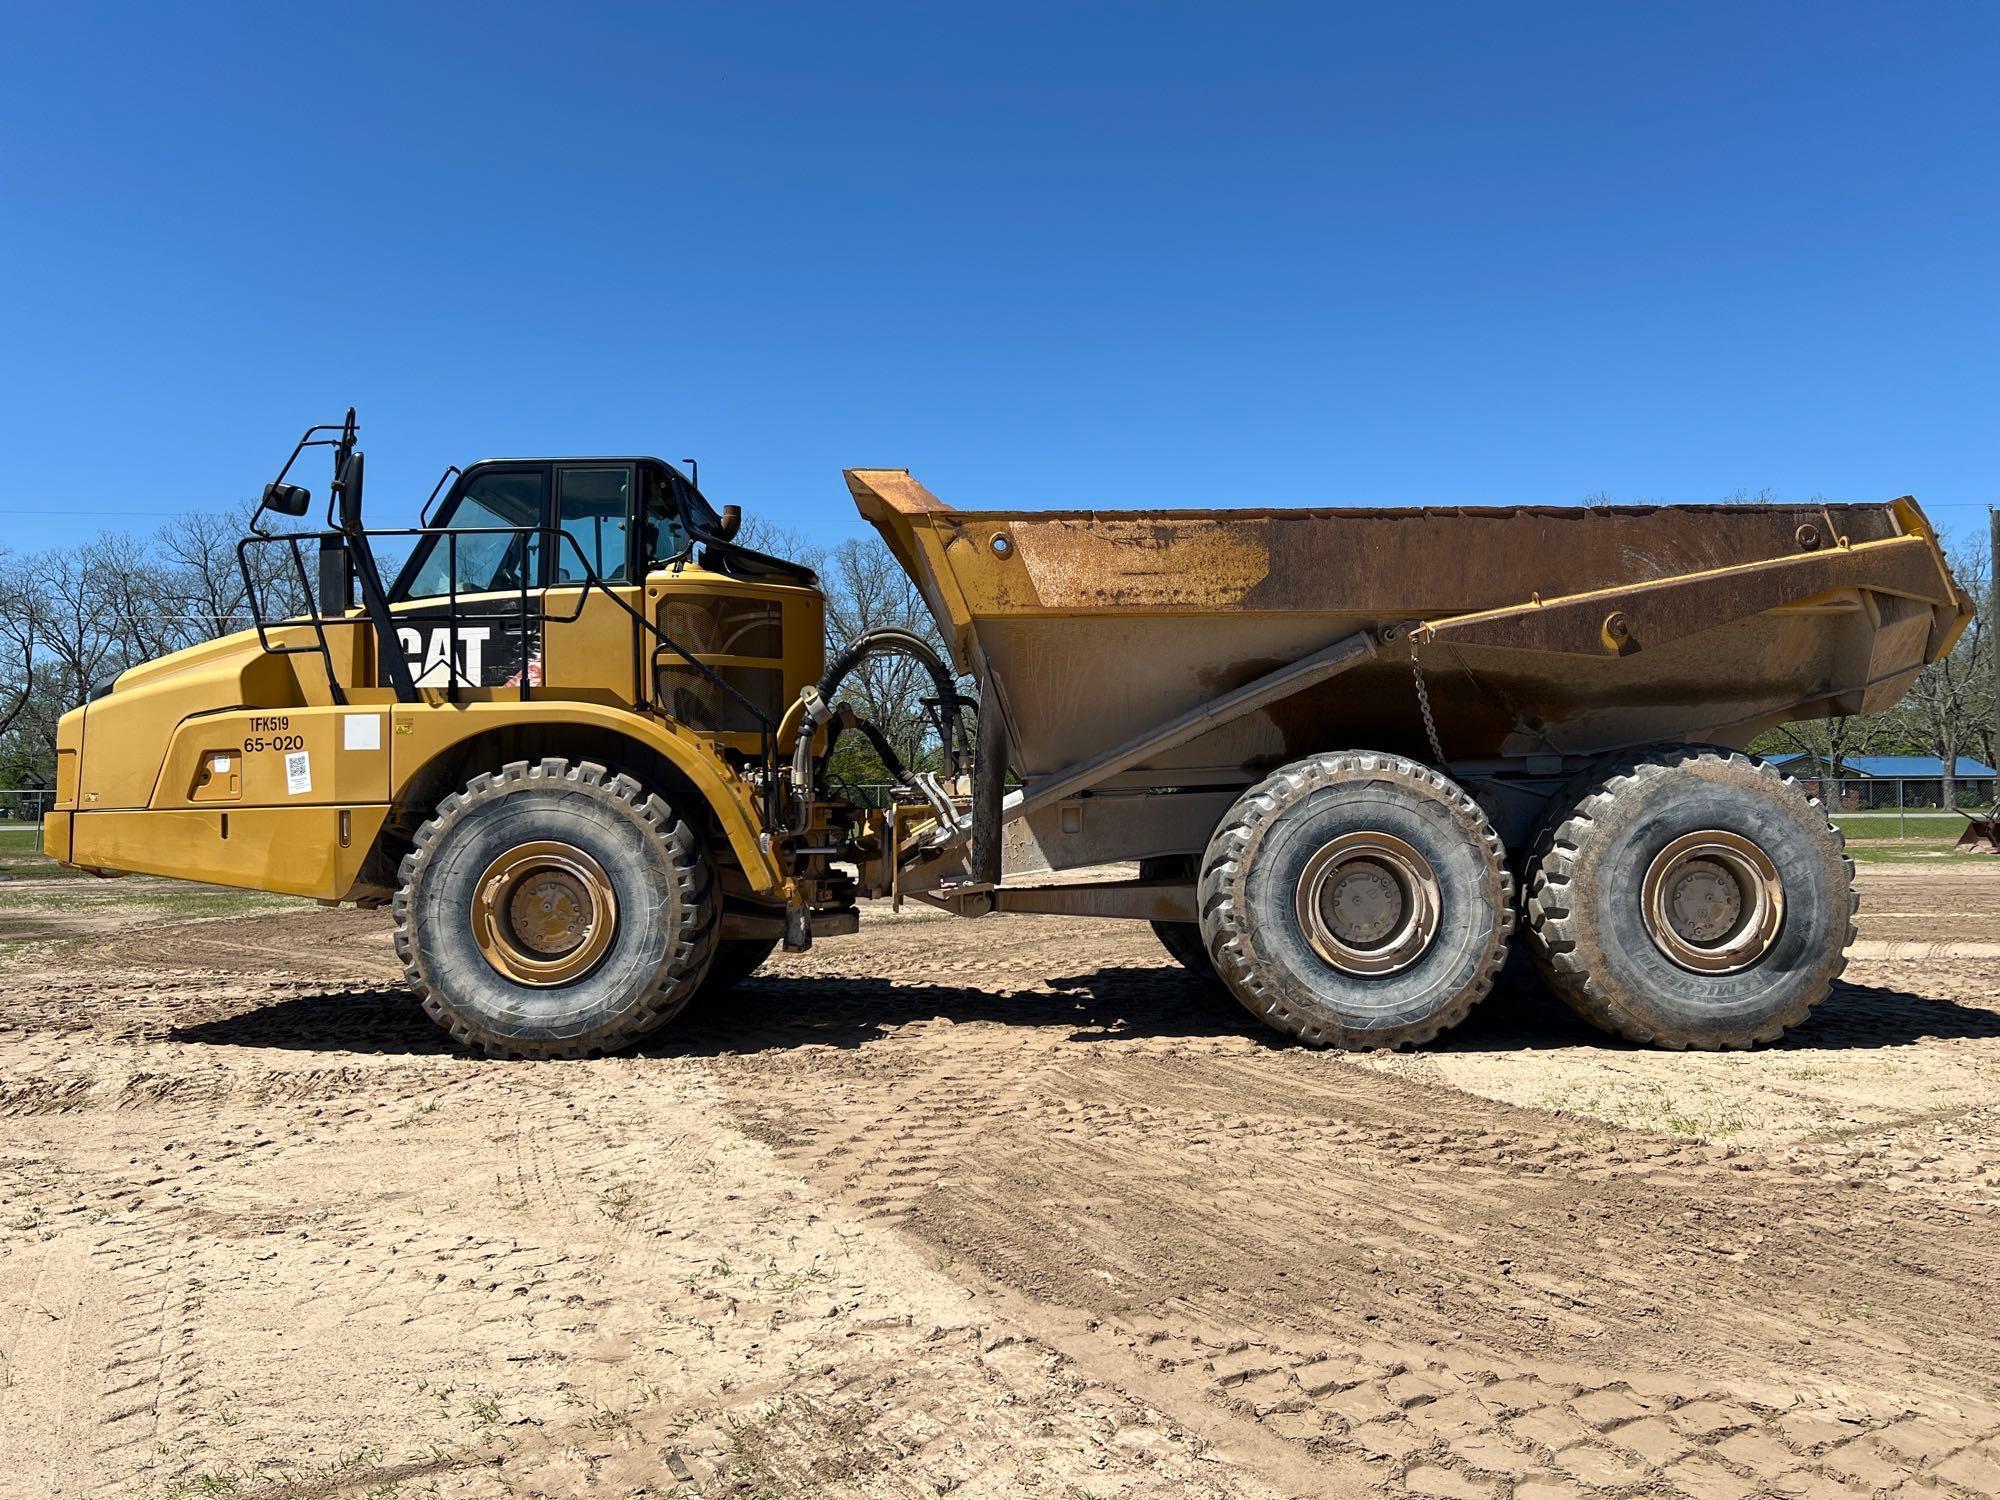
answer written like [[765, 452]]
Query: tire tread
[[1549, 922], [1228, 929], [681, 971]]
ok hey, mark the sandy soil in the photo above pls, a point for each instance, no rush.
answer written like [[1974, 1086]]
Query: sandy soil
[[996, 1208]]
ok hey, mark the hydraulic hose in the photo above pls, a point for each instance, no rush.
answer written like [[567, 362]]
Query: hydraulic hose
[[893, 641], [891, 762]]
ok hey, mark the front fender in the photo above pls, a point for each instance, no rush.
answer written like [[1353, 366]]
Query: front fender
[[421, 733]]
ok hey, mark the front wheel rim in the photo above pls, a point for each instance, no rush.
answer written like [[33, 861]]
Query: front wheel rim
[[544, 913], [1368, 903], [1713, 902]]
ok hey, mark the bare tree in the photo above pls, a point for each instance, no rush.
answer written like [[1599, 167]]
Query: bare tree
[[1829, 743], [135, 596], [73, 600], [71, 609], [206, 594], [1950, 705], [866, 589], [17, 645]]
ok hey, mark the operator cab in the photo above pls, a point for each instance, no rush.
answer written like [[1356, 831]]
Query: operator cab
[[505, 507], [605, 579], [518, 545], [620, 518]]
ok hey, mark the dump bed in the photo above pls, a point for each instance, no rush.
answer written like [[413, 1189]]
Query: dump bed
[[1540, 631]]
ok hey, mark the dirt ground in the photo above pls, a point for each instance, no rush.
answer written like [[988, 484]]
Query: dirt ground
[[985, 1209]]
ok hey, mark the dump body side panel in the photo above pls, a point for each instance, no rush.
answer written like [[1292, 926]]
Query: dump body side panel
[[1547, 632]]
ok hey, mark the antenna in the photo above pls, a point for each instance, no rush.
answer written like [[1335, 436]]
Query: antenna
[[694, 471]]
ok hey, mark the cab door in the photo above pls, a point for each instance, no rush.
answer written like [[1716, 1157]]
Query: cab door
[[592, 646], [467, 603]]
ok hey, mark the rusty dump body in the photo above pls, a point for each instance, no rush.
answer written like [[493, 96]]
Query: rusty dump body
[[1545, 634]]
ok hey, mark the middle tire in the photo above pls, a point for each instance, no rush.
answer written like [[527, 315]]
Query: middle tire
[[1180, 939], [1358, 900], [736, 959]]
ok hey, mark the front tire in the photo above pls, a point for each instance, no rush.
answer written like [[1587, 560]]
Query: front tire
[[555, 910], [1691, 897], [1357, 900]]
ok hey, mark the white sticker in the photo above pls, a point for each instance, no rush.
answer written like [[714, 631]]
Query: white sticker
[[221, 763], [361, 732], [298, 773]]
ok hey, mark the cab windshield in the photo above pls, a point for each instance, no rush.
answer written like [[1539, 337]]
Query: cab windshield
[[487, 560]]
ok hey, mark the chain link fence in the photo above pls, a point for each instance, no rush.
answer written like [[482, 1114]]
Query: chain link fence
[[21, 814], [26, 805], [1900, 807]]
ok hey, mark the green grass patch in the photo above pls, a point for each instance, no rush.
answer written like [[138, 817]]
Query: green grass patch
[[207, 903], [1894, 825], [33, 868], [20, 836], [193, 901]]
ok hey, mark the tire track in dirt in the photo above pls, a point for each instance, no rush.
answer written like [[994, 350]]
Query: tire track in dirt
[[1464, 1296], [1043, 1214], [320, 1278], [151, 1363]]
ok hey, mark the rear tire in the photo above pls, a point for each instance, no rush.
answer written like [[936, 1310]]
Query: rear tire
[[1357, 900], [1690, 897], [1181, 939], [552, 910]]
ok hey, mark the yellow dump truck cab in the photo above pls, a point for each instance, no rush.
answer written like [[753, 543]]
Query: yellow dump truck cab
[[574, 656]]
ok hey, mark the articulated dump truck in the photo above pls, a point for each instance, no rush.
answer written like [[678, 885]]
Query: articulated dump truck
[[579, 743]]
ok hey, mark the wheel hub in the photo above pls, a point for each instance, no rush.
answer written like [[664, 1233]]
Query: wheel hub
[[1713, 902], [550, 911], [1703, 901], [544, 913], [1364, 903], [1368, 903]]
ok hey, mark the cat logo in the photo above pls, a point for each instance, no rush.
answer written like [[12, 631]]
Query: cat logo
[[429, 651]]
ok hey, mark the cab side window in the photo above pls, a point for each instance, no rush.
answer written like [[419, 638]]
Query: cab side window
[[488, 560], [594, 506], [666, 534]]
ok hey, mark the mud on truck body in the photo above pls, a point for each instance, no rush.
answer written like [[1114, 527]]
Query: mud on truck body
[[580, 743]]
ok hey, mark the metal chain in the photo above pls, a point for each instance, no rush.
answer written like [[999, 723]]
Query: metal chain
[[1424, 703]]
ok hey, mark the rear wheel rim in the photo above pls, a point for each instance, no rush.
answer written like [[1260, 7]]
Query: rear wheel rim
[[544, 913], [1368, 903], [1713, 902]]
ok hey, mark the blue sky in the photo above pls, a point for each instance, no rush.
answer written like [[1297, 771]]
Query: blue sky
[[1085, 254]]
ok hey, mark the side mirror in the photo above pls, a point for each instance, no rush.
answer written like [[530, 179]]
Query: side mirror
[[287, 499], [732, 522]]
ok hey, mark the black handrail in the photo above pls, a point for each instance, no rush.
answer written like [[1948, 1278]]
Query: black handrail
[[318, 618], [424, 515]]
